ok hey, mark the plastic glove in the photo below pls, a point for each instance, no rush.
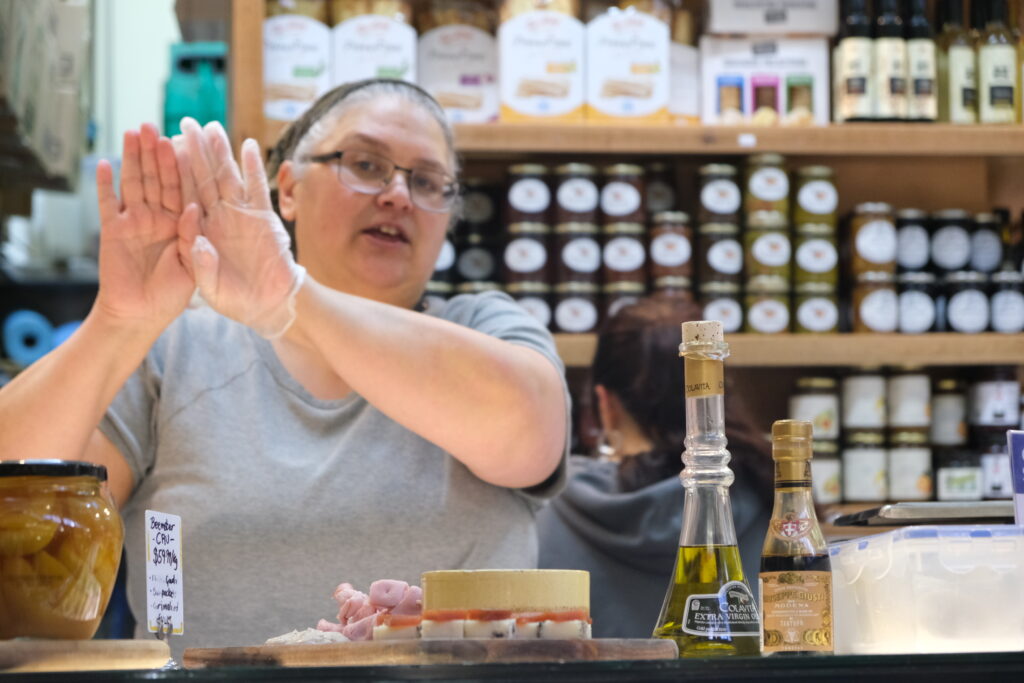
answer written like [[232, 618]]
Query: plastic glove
[[239, 250]]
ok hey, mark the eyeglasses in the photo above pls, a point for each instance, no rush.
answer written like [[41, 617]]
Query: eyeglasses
[[370, 173]]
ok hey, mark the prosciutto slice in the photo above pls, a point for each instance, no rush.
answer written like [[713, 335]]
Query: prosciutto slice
[[358, 612]]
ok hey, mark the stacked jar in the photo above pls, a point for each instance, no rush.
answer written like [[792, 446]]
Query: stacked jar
[[817, 400], [576, 253], [720, 254], [768, 251], [994, 400], [816, 267], [476, 248], [873, 246], [865, 458], [526, 264], [909, 418], [623, 230]]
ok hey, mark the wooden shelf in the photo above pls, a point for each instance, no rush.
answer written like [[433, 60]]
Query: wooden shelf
[[794, 350]]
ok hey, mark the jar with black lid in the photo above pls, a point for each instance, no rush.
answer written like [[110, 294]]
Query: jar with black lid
[[766, 200], [476, 259], [965, 305], [875, 304], [913, 246], [917, 303], [767, 309], [622, 196], [720, 197], [1007, 302], [721, 254], [986, 244], [576, 194], [951, 240], [815, 256], [528, 198], [767, 254], [578, 252], [873, 237], [661, 188], [721, 301], [674, 288], [575, 307], [535, 297], [618, 295], [816, 197], [815, 309], [526, 253], [623, 254], [671, 246], [478, 203]]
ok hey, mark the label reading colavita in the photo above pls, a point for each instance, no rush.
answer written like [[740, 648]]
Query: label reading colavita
[[730, 612], [997, 78], [373, 46], [458, 65], [963, 90], [165, 598], [797, 611], [541, 66], [890, 78], [296, 65], [703, 377], [854, 66], [627, 66], [923, 103]]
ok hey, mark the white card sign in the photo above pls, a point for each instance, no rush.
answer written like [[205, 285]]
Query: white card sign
[[164, 570]]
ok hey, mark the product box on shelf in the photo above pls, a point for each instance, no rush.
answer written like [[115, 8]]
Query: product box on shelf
[[930, 589], [684, 83], [764, 81], [296, 64], [811, 17], [372, 46], [458, 65]]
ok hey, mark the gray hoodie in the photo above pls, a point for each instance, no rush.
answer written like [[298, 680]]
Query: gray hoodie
[[628, 542]]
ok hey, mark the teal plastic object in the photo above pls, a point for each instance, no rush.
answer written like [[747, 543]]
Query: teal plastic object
[[197, 86]]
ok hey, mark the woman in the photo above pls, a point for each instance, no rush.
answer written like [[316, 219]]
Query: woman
[[620, 517], [312, 427]]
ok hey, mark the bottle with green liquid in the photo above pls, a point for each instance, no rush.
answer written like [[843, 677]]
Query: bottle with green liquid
[[709, 609]]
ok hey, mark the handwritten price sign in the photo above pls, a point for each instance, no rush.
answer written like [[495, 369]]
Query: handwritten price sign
[[164, 595]]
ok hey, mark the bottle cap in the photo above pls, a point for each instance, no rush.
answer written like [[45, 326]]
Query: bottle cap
[[800, 429], [702, 332]]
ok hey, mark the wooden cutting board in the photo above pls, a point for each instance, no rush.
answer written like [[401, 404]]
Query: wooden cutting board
[[81, 655], [415, 652]]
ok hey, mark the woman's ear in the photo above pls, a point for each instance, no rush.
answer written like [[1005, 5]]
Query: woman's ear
[[286, 182], [609, 409]]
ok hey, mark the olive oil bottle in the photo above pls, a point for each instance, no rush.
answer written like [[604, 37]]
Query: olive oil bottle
[[890, 63], [922, 102], [796, 576], [958, 64], [709, 609], [852, 63], [997, 69]]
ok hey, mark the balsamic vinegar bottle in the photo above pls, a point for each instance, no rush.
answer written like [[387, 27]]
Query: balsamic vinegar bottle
[[853, 63]]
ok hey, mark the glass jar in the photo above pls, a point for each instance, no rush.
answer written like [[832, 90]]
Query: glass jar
[[623, 255], [618, 295], [579, 254], [528, 198], [435, 297], [671, 247], [674, 288], [865, 467], [817, 401], [575, 309], [917, 305], [60, 540], [721, 301], [874, 239], [816, 197], [661, 189], [767, 254], [766, 199], [951, 240], [534, 297], [826, 473], [994, 398], [476, 260], [949, 413], [721, 255], [720, 197], [875, 304], [913, 246], [996, 475], [816, 258], [910, 466], [965, 302], [1007, 302], [986, 244], [957, 474], [622, 197], [910, 399], [526, 253], [767, 310], [478, 203], [576, 194], [816, 309], [864, 400], [444, 267]]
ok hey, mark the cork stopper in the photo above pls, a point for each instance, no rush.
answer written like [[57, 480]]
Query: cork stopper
[[702, 332]]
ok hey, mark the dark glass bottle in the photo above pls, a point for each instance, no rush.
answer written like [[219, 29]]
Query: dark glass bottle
[[853, 59], [890, 63], [922, 66]]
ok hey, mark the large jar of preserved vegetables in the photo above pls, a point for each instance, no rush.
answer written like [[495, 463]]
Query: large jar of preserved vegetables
[[875, 304], [767, 254], [873, 238], [576, 194], [720, 197], [816, 308], [766, 199], [721, 255], [816, 198], [622, 196], [816, 259]]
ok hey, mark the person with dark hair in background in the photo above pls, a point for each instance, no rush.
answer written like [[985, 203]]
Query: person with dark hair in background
[[620, 516]]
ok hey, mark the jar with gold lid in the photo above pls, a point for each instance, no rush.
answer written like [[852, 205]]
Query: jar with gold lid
[[578, 252], [720, 253], [815, 257], [622, 196], [672, 287], [534, 297], [575, 307], [767, 309], [526, 253], [720, 196], [767, 254], [766, 199], [816, 198], [618, 295], [529, 197], [721, 301], [815, 309], [623, 254], [875, 304], [671, 245], [576, 194], [873, 237]]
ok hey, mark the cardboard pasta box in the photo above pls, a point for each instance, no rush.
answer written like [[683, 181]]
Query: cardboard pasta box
[[775, 17]]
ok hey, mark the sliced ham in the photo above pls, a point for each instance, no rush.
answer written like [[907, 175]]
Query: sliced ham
[[329, 626], [362, 629], [387, 593], [411, 603]]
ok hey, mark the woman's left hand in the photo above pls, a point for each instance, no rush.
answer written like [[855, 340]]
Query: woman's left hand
[[240, 255]]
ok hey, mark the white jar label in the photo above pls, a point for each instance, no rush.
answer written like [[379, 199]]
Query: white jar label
[[477, 207], [726, 257], [958, 483], [818, 197], [826, 480], [536, 307], [876, 242], [910, 474], [721, 196], [458, 65], [912, 247], [529, 195], [525, 255], [446, 259], [864, 402], [879, 310], [660, 197], [995, 404], [818, 315], [986, 251], [996, 479], [910, 401], [296, 65], [475, 264], [575, 315], [864, 475], [619, 199], [373, 46], [582, 254], [816, 256], [624, 254], [949, 420], [917, 312], [768, 316], [726, 311], [578, 195], [771, 249], [670, 249], [769, 184], [1008, 311], [821, 410], [968, 311], [951, 247]]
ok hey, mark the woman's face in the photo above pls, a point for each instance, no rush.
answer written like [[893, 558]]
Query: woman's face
[[382, 246]]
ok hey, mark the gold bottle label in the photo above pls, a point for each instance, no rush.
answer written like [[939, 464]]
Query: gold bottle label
[[796, 611], [704, 377]]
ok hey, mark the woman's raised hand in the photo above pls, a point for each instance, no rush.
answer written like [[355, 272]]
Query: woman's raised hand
[[239, 249], [142, 280]]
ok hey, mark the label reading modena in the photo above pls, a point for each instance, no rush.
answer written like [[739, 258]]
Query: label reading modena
[[797, 611]]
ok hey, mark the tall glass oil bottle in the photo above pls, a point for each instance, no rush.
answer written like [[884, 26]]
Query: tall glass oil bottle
[[890, 63], [852, 63], [922, 99], [709, 609], [958, 79], [997, 69], [796, 577]]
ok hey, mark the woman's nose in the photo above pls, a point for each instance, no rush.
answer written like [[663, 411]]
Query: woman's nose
[[397, 193]]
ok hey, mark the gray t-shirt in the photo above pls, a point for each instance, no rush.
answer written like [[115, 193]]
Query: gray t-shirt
[[282, 496]]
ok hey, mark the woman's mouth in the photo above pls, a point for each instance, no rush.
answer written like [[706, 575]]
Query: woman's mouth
[[390, 234]]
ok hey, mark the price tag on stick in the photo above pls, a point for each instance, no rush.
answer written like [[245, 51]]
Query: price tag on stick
[[165, 606]]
